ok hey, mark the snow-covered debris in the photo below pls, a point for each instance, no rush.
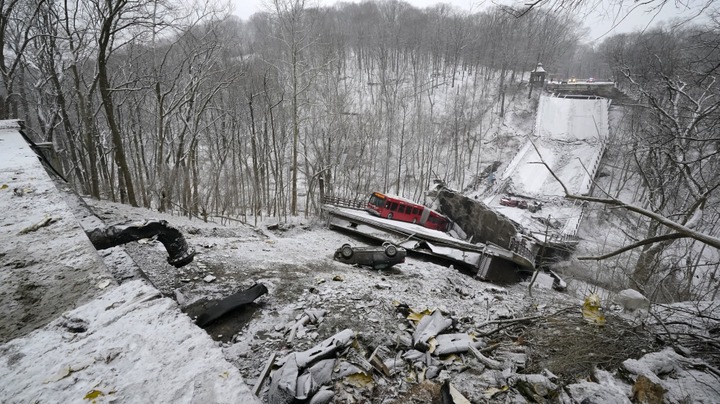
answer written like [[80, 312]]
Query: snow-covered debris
[[428, 327], [130, 344], [589, 392], [543, 281], [679, 379], [455, 343], [631, 300], [533, 385], [302, 374]]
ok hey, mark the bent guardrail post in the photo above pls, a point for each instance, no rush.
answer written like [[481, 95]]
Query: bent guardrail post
[[179, 253]]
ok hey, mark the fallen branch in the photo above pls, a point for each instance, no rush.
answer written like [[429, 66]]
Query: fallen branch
[[679, 228], [264, 374], [651, 240], [37, 226], [513, 321], [301, 323], [490, 363]]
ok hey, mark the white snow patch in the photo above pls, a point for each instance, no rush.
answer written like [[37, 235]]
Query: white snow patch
[[136, 347]]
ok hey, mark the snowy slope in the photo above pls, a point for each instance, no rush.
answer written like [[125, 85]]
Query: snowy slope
[[570, 137]]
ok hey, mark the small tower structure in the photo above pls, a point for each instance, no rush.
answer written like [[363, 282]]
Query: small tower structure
[[537, 78]]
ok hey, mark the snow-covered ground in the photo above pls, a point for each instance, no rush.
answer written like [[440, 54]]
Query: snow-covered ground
[[129, 344], [295, 262], [570, 137], [133, 339], [69, 332]]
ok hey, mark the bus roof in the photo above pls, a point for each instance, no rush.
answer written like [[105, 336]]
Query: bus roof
[[400, 198]]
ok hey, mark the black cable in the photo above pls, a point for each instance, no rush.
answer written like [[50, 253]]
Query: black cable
[[41, 155]]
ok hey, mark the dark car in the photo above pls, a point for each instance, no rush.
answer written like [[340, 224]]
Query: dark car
[[381, 257], [514, 203]]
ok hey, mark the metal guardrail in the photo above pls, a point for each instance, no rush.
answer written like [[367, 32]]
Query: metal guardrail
[[345, 202], [520, 249]]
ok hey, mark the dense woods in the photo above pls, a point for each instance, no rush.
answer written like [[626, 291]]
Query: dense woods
[[668, 156], [194, 111]]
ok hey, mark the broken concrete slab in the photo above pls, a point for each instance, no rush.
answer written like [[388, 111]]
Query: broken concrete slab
[[232, 302], [455, 343], [428, 327], [326, 348]]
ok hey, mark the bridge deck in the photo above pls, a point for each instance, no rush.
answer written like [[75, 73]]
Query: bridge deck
[[570, 137], [416, 237]]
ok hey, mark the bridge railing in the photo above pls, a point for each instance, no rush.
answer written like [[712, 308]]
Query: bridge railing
[[355, 203], [519, 248]]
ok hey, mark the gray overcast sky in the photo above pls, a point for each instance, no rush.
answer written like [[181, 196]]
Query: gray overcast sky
[[599, 20]]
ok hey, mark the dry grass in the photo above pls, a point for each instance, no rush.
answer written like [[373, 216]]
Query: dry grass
[[571, 348]]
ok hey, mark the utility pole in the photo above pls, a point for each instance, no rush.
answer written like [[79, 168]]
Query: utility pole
[[542, 257]]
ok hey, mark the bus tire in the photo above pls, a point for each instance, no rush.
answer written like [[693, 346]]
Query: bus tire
[[389, 215], [390, 250], [346, 251]]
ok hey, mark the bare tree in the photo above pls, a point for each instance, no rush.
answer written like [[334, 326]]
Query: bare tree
[[294, 31]]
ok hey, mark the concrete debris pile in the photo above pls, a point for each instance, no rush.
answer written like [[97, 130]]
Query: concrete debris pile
[[429, 349], [432, 357], [657, 377], [302, 375]]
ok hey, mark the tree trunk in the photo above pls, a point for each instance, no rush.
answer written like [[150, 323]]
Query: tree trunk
[[106, 96]]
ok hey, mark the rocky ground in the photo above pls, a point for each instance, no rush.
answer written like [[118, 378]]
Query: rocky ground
[[526, 347]]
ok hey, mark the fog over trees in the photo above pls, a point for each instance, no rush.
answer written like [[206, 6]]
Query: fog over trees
[[194, 111]]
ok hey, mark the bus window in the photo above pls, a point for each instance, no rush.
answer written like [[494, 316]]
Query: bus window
[[416, 211], [394, 206], [401, 209], [387, 205], [376, 200]]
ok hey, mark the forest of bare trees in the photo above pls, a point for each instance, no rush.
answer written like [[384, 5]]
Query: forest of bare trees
[[197, 112], [193, 111], [669, 155]]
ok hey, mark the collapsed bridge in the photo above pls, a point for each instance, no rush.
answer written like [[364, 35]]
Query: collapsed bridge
[[568, 142], [489, 261], [569, 139]]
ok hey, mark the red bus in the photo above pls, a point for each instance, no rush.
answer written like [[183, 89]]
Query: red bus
[[394, 207]]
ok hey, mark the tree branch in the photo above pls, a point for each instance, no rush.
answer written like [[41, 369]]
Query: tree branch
[[679, 228], [651, 240]]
